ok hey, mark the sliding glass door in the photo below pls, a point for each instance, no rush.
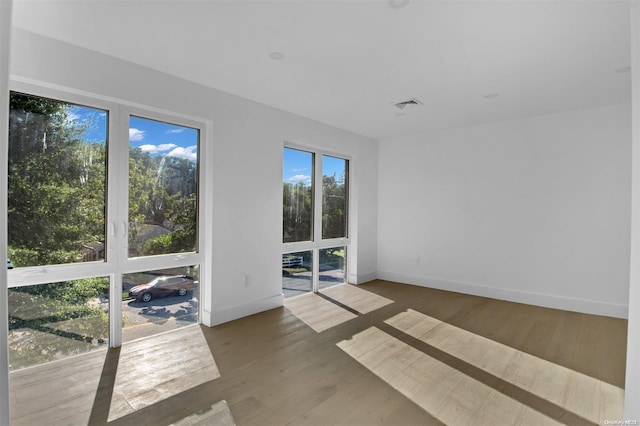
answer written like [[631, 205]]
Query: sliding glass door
[[104, 224], [314, 220]]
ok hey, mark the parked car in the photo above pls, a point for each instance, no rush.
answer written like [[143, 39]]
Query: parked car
[[162, 287], [9, 264]]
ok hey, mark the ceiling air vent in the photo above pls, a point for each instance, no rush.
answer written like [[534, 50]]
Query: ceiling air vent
[[412, 102]]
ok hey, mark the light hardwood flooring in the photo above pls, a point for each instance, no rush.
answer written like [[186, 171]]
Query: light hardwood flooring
[[381, 353]]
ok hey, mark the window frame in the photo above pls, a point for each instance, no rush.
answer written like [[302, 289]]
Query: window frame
[[318, 243], [116, 262]]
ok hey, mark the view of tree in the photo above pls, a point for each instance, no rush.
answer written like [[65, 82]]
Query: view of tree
[[56, 215], [297, 209], [57, 189], [296, 212], [40, 315], [162, 193], [334, 207], [56, 186]]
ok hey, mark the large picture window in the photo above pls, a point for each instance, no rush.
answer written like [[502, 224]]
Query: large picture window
[[105, 224], [297, 196], [163, 188], [57, 182], [335, 172], [315, 201]]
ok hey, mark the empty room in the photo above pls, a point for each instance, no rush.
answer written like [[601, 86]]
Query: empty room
[[318, 212]]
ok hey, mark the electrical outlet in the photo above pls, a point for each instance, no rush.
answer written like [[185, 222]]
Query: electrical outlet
[[418, 260], [246, 280]]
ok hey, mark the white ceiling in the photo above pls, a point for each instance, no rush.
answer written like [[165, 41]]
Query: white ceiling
[[347, 62]]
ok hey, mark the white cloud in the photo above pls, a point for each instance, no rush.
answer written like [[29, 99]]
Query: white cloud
[[299, 170], [174, 131], [154, 149], [190, 152], [71, 117], [166, 146], [300, 178], [136, 135]]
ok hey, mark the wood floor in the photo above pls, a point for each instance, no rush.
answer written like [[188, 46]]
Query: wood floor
[[381, 353]]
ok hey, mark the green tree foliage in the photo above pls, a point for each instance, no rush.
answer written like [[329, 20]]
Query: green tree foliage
[[334, 207], [296, 212], [162, 192], [56, 189], [141, 184], [50, 320], [182, 212], [56, 206], [158, 245]]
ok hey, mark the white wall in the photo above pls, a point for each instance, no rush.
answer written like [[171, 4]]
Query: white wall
[[632, 383], [5, 48], [535, 210], [247, 166]]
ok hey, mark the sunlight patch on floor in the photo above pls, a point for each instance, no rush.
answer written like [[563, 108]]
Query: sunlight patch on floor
[[356, 298], [321, 314], [442, 391], [153, 370], [589, 398], [60, 392], [318, 313]]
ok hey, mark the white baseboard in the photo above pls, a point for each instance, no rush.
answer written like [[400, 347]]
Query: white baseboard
[[518, 296], [219, 316], [363, 278]]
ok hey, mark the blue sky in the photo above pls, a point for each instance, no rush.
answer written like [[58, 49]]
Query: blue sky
[[158, 138], [95, 119], [154, 137], [298, 166]]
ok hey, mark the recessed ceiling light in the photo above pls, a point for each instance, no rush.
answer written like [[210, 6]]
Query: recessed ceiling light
[[276, 56], [490, 96], [623, 70], [397, 4]]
